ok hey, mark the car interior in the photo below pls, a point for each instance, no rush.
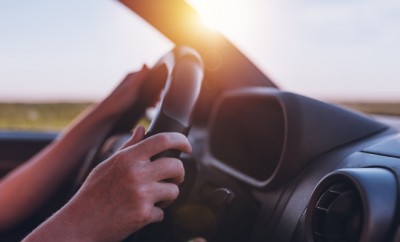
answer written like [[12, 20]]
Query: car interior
[[267, 164]]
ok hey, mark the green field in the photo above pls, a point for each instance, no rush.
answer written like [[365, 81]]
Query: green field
[[55, 116], [42, 116]]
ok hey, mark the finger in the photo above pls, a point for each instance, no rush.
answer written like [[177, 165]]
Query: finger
[[162, 142], [137, 136], [138, 74], [157, 215], [142, 73], [134, 79], [169, 169], [144, 68], [164, 193]]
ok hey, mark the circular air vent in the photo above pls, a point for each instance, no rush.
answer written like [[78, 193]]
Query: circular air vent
[[338, 215], [351, 205]]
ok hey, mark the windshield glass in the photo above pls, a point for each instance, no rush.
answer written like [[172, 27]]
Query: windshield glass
[[58, 57], [71, 50], [77, 51], [332, 50]]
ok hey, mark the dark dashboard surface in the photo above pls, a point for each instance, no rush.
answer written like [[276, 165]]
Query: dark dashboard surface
[[283, 203]]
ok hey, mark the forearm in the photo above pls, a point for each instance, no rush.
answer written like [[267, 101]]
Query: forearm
[[119, 196], [30, 185], [25, 189], [63, 226]]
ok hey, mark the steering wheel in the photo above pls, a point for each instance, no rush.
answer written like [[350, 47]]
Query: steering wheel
[[179, 74], [185, 74]]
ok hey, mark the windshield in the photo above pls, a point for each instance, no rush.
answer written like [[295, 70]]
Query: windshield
[[77, 51], [71, 50], [333, 50], [58, 57]]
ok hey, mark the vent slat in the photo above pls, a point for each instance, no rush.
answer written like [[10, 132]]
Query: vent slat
[[336, 212]]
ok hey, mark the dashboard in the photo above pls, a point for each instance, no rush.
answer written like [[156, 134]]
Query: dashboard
[[277, 166]]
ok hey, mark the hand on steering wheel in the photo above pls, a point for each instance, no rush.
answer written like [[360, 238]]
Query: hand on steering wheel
[[182, 72]]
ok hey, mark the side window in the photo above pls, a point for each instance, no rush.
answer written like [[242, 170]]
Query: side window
[[59, 57]]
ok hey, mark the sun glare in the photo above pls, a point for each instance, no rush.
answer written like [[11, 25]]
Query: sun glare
[[221, 15]]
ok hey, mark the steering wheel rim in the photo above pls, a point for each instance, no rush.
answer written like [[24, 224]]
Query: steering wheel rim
[[180, 69], [185, 74]]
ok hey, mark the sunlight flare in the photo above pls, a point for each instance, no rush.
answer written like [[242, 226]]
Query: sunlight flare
[[222, 15]]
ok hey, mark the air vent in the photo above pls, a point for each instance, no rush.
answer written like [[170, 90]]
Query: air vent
[[337, 215], [351, 205]]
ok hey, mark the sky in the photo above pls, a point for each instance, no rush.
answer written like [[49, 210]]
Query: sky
[[52, 50]]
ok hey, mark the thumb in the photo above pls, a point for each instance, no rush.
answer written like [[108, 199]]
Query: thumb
[[137, 136]]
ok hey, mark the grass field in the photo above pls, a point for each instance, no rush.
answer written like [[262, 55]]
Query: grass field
[[43, 116], [55, 116]]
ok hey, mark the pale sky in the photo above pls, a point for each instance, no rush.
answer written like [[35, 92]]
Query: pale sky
[[342, 49]]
